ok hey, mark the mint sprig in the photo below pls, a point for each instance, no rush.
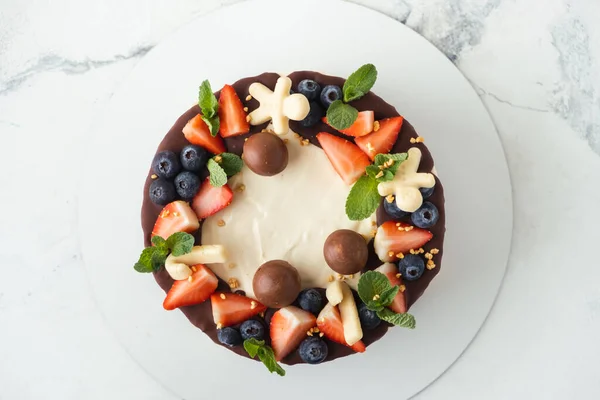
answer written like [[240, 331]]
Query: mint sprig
[[209, 106], [153, 257], [376, 291], [363, 199], [265, 354], [223, 166], [341, 116]]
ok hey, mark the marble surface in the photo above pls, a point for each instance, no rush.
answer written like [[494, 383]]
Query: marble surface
[[536, 66]]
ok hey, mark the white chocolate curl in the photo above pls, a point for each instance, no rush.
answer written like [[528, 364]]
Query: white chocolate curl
[[278, 106], [348, 311], [179, 269], [406, 183]]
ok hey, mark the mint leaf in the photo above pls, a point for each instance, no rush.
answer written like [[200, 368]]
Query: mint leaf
[[180, 243], [252, 346], [404, 320], [341, 116], [380, 175], [265, 354], [359, 83], [398, 158], [387, 296], [160, 243], [209, 106], [363, 199], [158, 258], [144, 264], [231, 163], [218, 177], [373, 288]]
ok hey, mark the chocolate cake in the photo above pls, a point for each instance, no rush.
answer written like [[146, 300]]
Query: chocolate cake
[[201, 315]]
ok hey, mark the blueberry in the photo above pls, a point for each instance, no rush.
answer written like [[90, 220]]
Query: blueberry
[[368, 319], [252, 329], [329, 94], [166, 164], [426, 216], [187, 184], [309, 88], [311, 301], [427, 192], [313, 350], [193, 158], [162, 191], [314, 115], [392, 209], [411, 267], [229, 336]]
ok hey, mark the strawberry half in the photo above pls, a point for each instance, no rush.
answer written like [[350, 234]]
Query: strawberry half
[[288, 328], [194, 290], [329, 322], [362, 126], [197, 132], [232, 116], [393, 238], [391, 272], [382, 140], [347, 159], [175, 217], [210, 200], [230, 308]]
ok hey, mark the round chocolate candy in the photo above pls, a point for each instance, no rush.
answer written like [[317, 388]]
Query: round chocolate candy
[[265, 154], [345, 252], [276, 284]]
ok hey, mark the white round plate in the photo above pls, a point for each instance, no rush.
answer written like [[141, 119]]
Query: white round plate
[[335, 38]]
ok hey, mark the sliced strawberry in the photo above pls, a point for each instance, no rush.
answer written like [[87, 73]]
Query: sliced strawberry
[[347, 159], [329, 322], [230, 308], [194, 290], [175, 217], [197, 132], [288, 328], [232, 116], [391, 272], [209, 199], [362, 126], [382, 140], [393, 238]]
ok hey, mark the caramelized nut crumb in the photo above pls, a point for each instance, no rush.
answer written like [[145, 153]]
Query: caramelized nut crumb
[[400, 255], [248, 98], [246, 109], [223, 296], [252, 305], [233, 283], [153, 176], [219, 325], [232, 265], [190, 279], [402, 288], [376, 126], [220, 222]]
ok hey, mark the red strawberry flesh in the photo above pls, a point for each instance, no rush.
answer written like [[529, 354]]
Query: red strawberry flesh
[[391, 272], [232, 116], [347, 159], [196, 132], [209, 200], [194, 290], [175, 217], [383, 139], [394, 237], [330, 323], [289, 326], [230, 308]]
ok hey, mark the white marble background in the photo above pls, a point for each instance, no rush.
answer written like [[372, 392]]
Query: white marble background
[[536, 66]]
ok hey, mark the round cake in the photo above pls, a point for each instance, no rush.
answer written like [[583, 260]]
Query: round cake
[[275, 207]]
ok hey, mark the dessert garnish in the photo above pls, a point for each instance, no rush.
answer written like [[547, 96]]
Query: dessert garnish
[[289, 326], [276, 284], [179, 267], [223, 166], [265, 154], [209, 106], [392, 274], [330, 324], [265, 354], [153, 257], [339, 294], [278, 106], [376, 291], [382, 139], [346, 251], [395, 239], [340, 114]]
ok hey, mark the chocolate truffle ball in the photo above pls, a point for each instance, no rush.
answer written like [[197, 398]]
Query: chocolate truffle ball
[[346, 252], [276, 284], [265, 154]]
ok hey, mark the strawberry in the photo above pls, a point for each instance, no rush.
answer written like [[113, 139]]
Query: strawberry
[[196, 132], [329, 322], [347, 159], [209, 199], [391, 272], [175, 217], [397, 237], [288, 328], [230, 308], [194, 290], [232, 116], [382, 140], [362, 126]]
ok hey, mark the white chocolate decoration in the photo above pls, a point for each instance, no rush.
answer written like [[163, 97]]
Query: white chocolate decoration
[[178, 267], [334, 293], [406, 183], [279, 105], [349, 313]]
